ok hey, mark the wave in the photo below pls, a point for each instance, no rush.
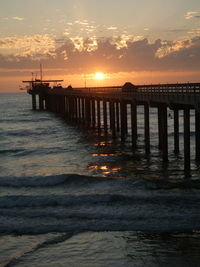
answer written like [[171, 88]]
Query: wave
[[63, 201], [58, 239], [79, 180], [145, 222], [107, 205], [11, 151], [68, 200], [46, 181]]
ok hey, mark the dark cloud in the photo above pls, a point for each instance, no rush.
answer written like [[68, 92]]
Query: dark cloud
[[90, 55]]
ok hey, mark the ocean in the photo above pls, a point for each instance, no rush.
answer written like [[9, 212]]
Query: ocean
[[69, 197]]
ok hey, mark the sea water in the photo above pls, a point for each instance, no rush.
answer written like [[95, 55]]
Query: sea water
[[69, 197]]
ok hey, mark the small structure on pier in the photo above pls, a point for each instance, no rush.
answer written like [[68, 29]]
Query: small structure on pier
[[40, 87]]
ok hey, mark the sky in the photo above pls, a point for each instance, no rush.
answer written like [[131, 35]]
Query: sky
[[146, 41]]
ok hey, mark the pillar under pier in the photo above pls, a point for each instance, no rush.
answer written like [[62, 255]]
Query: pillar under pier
[[159, 128], [93, 113], [83, 110], [197, 136], [41, 102], [79, 110], [117, 116], [187, 140], [163, 131], [176, 131], [112, 119], [134, 124], [146, 128], [87, 113], [98, 117], [105, 117], [34, 106], [123, 118]]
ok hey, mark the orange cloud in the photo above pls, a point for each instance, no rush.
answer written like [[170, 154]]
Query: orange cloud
[[170, 47], [33, 46], [77, 55], [18, 18], [192, 14]]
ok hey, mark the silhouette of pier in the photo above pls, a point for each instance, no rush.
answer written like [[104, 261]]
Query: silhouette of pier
[[83, 106]]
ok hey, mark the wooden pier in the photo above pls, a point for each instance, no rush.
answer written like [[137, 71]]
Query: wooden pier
[[83, 106]]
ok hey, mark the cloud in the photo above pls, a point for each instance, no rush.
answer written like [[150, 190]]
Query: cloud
[[32, 46], [122, 40], [195, 31], [18, 18], [75, 28], [129, 54], [81, 22], [192, 14], [168, 48], [88, 44], [123, 53], [112, 28], [15, 18]]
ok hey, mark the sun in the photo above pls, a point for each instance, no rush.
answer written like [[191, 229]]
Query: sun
[[99, 76]]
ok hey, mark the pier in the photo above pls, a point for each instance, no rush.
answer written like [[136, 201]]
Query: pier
[[105, 109]]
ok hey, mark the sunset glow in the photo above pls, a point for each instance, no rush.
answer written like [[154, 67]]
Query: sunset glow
[[99, 76], [79, 41]]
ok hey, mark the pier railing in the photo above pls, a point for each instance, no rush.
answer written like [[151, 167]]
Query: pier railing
[[176, 89]]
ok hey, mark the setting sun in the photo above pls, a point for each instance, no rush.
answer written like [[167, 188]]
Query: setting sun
[[99, 76]]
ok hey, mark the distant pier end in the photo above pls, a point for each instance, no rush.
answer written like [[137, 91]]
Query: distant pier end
[[40, 87]]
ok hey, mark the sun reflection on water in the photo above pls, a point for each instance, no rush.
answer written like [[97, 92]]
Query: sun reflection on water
[[104, 155], [105, 170], [105, 160]]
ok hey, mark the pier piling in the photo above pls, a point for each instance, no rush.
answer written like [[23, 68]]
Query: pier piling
[[176, 131], [146, 128], [197, 133], [134, 124], [34, 106], [187, 140], [105, 117]]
